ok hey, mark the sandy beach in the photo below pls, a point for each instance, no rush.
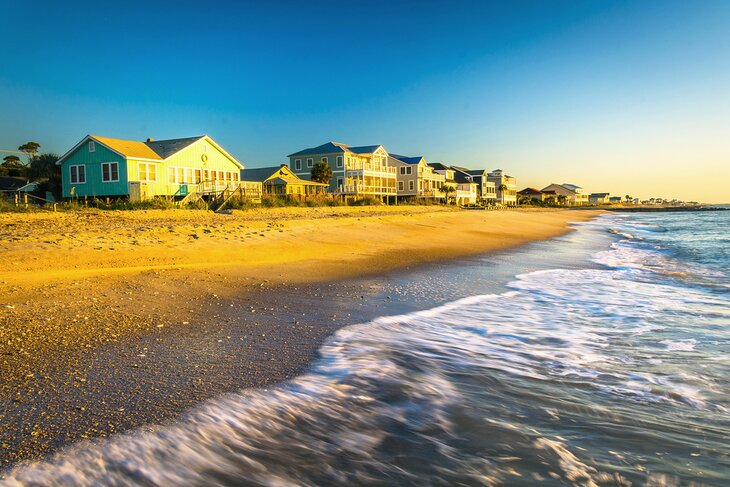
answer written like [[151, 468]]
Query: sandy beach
[[113, 320]]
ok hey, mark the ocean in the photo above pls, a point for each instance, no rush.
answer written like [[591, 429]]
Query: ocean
[[598, 358]]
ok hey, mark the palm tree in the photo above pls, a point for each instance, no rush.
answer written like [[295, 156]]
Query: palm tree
[[447, 189], [627, 198]]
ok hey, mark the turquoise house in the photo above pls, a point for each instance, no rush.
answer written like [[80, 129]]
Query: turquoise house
[[106, 167]]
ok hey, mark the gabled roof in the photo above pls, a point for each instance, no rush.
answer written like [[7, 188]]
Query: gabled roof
[[408, 159], [530, 191], [259, 173], [440, 167], [128, 148], [364, 149], [571, 187], [166, 148], [462, 177], [558, 186], [154, 150], [282, 175], [327, 148], [336, 148]]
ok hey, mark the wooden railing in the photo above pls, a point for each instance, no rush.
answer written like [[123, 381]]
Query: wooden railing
[[364, 189]]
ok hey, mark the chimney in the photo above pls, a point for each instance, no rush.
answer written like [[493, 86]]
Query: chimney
[[150, 139]]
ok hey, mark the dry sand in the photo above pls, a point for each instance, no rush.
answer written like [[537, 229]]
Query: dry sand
[[282, 245], [113, 320]]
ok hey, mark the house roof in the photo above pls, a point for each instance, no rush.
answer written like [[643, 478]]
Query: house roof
[[259, 173], [153, 150], [166, 148], [408, 159], [12, 183], [440, 167], [335, 148], [558, 186], [571, 187], [364, 149], [129, 148], [463, 177], [264, 173], [599, 195], [530, 191]]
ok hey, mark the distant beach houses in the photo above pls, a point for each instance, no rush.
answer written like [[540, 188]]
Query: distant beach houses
[[198, 168]]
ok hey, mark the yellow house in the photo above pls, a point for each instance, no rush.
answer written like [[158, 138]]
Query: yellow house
[[281, 181]]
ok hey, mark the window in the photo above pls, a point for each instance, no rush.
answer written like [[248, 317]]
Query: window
[[310, 162], [298, 164], [198, 175], [339, 161], [78, 174], [235, 176], [409, 170], [339, 182], [400, 185], [410, 186], [147, 172], [92, 146], [206, 175], [325, 160], [220, 176], [402, 170], [109, 172]]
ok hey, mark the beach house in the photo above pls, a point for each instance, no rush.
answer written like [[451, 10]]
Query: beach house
[[599, 198], [173, 168], [466, 189], [506, 187], [415, 178], [357, 171], [486, 189], [572, 194], [281, 181], [531, 194]]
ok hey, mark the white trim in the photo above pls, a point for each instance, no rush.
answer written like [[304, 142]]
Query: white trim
[[78, 181], [110, 172], [310, 162], [92, 146]]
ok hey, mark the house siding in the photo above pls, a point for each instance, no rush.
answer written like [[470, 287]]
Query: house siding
[[92, 160], [189, 158]]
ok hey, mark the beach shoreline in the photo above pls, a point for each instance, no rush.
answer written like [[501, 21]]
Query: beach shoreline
[[104, 335]]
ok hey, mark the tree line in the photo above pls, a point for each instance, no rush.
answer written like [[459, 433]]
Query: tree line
[[40, 168]]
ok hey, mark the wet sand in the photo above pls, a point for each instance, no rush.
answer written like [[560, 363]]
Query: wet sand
[[110, 321]]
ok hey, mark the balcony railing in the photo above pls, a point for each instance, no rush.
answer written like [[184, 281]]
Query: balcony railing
[[364, 189], [369, 166]]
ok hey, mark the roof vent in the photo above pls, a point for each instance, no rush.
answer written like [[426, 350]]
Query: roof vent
[[150, 139]]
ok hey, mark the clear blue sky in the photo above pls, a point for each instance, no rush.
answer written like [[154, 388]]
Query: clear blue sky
[[614, 96]]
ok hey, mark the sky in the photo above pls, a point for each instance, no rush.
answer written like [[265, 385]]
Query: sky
[[627, 97]]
